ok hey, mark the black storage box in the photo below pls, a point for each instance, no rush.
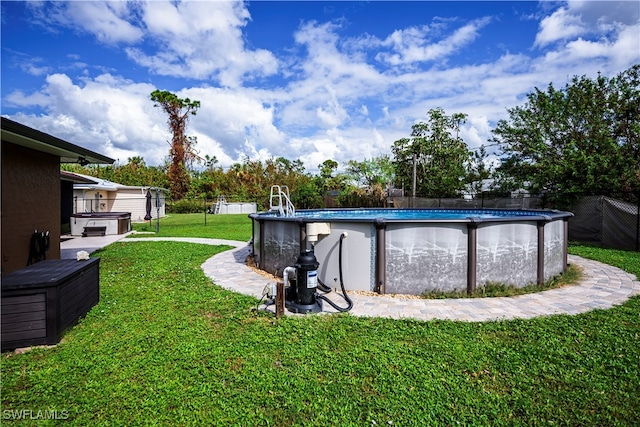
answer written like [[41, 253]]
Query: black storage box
[[41, 301]]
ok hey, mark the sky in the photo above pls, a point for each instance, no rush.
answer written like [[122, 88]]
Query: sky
[[307, 80]]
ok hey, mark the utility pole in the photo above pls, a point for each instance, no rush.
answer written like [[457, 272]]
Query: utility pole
[[413, 194]]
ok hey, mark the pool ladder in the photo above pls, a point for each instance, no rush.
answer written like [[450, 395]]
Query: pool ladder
[[221, 200], [280, 200]]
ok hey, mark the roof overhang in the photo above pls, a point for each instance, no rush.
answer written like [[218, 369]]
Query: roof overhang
[[75, 178], [95, 187], [19, 134]]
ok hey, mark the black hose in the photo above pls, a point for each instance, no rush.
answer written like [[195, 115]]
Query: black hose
[[344, 292], [322, 287], [38, 246]]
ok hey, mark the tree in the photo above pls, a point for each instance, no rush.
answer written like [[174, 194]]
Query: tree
[[377, 171], [327, 168], [582, 139], [210, 162], [329, 179], [478, 171], [438, 154], [181, 153], [135, 172]]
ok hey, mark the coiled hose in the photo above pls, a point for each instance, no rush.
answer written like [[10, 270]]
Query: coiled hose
[[324, 288], [38, 246]]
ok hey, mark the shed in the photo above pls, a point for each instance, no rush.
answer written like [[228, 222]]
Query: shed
[[101, 195]]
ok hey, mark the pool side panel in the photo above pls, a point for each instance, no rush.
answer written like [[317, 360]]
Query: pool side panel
[[256, 240], [418, 256], [507, 253], [423, 257], [281, 246], [357, 254], [554, 248]]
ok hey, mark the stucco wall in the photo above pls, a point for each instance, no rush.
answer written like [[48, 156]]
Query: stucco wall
[[30, 201], [134, 200], [127, 199]]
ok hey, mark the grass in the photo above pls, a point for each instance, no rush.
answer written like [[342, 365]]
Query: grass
[[626, 260], [166, 347], [570, 277], [230, 227]]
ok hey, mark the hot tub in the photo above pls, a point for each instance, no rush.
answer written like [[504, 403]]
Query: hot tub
[[114, 222], [414, 251]]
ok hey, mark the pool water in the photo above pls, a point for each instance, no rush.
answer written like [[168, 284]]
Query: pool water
[[412, 214]]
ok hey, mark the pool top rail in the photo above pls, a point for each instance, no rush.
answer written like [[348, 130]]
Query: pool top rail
[[414, 215]]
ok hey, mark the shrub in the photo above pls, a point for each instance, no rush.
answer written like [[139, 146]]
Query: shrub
[[185, 206]]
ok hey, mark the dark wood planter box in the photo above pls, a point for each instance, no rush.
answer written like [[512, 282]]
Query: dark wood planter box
[[41, 301]]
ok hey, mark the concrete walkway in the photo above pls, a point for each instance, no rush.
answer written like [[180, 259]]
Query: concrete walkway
[[71, 245], [602, 286]]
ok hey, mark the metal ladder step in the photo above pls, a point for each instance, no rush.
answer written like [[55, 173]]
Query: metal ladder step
[[280, 201]]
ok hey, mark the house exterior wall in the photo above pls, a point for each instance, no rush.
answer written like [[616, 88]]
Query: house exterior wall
[[93, 201], [30, 201], [132, 199]]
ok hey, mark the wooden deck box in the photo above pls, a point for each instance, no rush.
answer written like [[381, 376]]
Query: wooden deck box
[[41, 301]]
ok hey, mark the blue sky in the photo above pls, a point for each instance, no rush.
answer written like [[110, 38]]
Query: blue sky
[[302, 80]]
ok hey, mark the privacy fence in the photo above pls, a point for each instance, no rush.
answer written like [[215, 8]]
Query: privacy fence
[[607, 222], [597, 220]]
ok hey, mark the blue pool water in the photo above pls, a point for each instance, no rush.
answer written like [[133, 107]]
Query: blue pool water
[[412, 214]]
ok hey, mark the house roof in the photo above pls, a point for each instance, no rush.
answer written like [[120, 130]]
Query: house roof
[[93, 183], [19, 134], [86, 182], [75, 178]]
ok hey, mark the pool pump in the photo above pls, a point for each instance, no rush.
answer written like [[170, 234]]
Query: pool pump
[[301, 296], [302, 283]]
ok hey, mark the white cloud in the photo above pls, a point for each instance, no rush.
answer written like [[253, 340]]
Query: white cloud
[[33, 68], [335, 100], [609, 54], [560, 25], [476, 131], [201, 40], [231, 124], [414, 44], [332, 114], [107, 21], [30, 65], [605, 13], [584, 18], [191, 39], [329, 78], [108, 114], [19, 99]]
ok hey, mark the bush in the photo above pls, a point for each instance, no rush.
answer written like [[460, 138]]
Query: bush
[[185, 206]]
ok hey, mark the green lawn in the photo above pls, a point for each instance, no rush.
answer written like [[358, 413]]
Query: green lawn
[[626, 260], [231, 227], [166, 347]]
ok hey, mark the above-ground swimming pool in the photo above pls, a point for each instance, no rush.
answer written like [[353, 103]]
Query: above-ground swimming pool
[[414, 251]]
